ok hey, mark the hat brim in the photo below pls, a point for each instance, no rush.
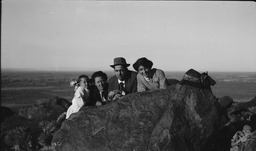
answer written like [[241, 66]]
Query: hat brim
[[145, 62], [126, 65]]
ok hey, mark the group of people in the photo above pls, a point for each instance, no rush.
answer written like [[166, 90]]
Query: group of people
[[99, 90]]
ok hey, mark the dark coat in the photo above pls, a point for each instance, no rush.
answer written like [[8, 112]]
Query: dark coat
[[95, 95], [130, 83]]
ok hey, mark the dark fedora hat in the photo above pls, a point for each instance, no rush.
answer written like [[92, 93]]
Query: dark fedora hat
[[120, 61], [142, 62]]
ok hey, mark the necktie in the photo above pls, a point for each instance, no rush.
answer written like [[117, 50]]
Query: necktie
[[102, 97], [121, 86]]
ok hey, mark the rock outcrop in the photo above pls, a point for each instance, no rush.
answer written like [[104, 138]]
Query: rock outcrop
[[46, 111], [5, 112], [226, 102], [233, 117], [29, 126], [179, 118]]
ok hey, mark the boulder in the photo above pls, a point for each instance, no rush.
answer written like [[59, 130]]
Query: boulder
[[12, 122], [226, 102], [245, 106], [172, 81], [27, 119], [58, 101], [245, 111], [178, 118], [5, 112], [44, 111], [238, 115]]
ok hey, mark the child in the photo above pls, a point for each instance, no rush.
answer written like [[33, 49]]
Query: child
[[81, 95]]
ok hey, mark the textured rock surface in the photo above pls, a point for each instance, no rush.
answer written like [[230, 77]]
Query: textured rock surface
[[172, 81], [5, 112], [238, 115], [250, 144], [49, 110], [179, 118], [226, 101], [243, 113], [27, 119]]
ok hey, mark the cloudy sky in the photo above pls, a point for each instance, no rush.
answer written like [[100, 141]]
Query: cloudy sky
[[87, 35]]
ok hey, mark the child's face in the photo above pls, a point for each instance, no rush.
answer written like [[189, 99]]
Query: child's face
[[83, 82]]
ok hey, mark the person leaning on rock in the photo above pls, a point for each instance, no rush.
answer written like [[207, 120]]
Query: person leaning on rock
[[99, 94], [81, 96], [148, 78], [123, 82]]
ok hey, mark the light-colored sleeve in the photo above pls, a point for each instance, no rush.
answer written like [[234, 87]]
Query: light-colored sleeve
[[80, 97], [79, 93], [162, 79], [140, 86]]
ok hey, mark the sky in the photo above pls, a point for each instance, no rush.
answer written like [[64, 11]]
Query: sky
[[88, 35]]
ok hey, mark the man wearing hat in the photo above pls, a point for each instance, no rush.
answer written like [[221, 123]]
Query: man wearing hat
[[124, 79]]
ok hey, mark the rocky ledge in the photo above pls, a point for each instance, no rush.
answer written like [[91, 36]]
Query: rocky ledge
[[178, 118]]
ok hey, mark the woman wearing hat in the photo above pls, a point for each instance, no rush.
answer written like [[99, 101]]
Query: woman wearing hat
[[148, 78]]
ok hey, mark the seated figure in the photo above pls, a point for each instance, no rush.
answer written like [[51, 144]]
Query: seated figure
[[148, 78]]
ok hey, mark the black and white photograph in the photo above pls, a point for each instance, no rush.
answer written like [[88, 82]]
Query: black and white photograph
[[93, 75]]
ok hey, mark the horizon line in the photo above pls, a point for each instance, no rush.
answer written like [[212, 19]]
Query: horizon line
[[91, 70]]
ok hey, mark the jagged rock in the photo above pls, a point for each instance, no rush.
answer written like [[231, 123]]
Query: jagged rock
[[58, 101], [244, 111], [64, 103], [172, 81], [179, 118], [244, 106], [28, 118], [239, 114], [42, 111], [12, 122], [5, 112], [226, 102]]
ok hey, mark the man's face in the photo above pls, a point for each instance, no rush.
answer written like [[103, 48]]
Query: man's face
[[120, 72], [100, 83]]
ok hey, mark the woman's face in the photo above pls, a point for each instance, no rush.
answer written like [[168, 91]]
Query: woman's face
[[144, 71], [84, 82], [100, 83]]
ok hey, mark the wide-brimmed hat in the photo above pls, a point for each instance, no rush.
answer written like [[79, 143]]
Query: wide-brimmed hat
[[120, 61], [142, 62]]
